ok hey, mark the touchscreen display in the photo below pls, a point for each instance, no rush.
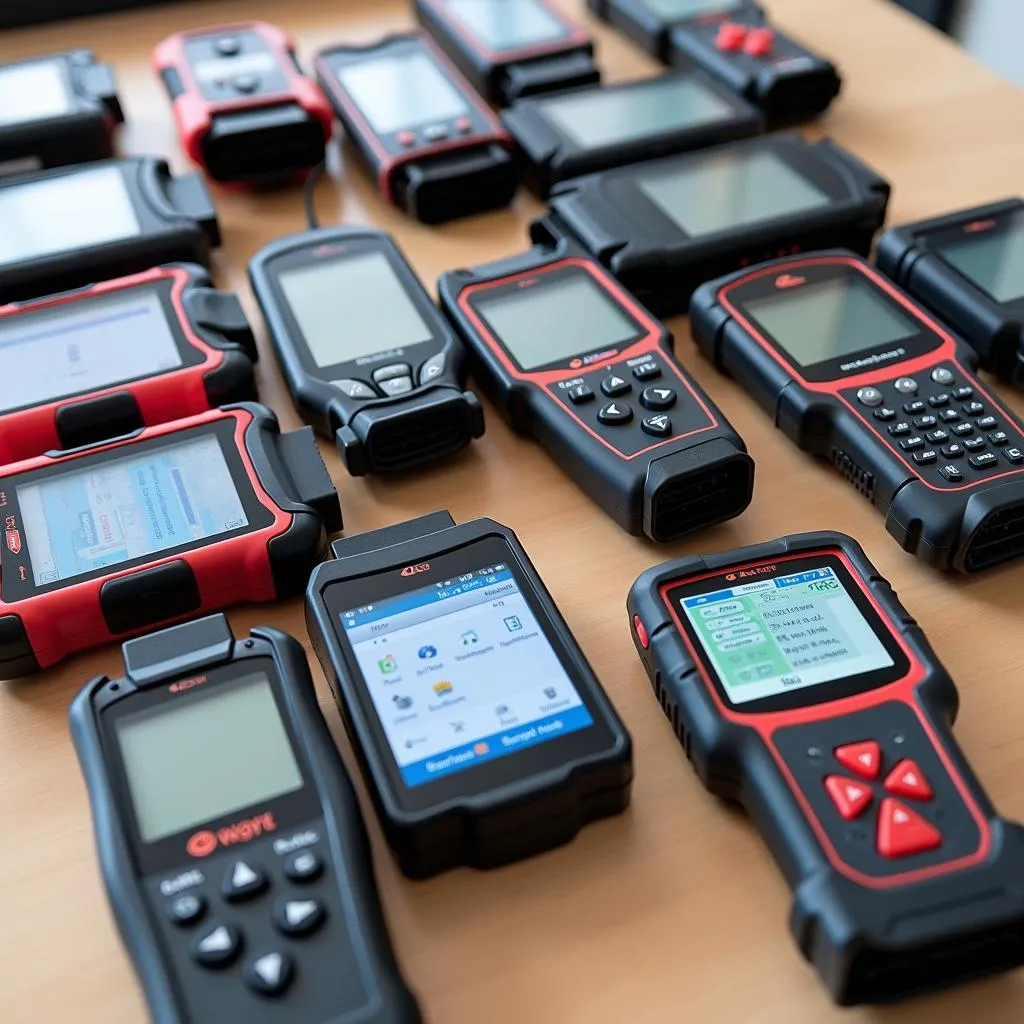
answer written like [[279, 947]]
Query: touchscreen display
[[597, 117], [713, 193], [84, 346], [32, 92], [831, 319], [993, 260], [461, 673], [784, 633], [132, 506], [559, 316], [70, 211], [190, 761], [351, 307], [689, 8], [507, 24], [401, 92]]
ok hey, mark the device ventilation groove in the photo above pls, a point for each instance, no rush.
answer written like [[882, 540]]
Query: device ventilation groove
[[414, 440], [999, 538], [671, 709], [861, 479], [699, 500]]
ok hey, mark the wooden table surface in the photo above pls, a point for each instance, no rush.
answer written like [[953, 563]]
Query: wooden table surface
[[673, 911]]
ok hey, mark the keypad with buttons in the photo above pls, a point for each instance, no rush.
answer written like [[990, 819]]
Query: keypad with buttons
[[879, 790], [394, 379], [262, 920], [233, 66], [642, 401], [940, 421]]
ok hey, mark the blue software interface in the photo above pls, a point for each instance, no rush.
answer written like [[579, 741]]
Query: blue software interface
[[460, 672]]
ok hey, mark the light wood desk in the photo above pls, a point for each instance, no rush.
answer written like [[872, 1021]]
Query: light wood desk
[[674, 911]]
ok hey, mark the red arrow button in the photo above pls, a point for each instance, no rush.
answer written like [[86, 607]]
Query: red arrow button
[[901, 832], [863, 758], [850, 797], [906, 779]]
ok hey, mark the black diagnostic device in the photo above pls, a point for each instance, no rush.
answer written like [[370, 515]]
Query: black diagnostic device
[[229, 834], [481, 729], [851, 369], [367, 357], [434, 147], [800, 687], [582, 131], [511, 48], [968, 268], [737, 44], [573, 360], [666, 226], [74, 226], [61, 108]]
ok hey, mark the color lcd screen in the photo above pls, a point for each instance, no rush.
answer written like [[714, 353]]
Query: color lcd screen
[[351, 307], [70, 211], [784, 633], [830, 319], [507, 24], [598, 117], [993, 260], [401, 92], [32, 92], [715, 193], [81, 347], [206, 756], [461, 673], [558, 316], [130, 507]]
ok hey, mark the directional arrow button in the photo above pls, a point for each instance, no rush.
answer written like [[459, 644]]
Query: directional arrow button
[[658, 425], [217, 946], [615, 385], [657, 397], [270, 973], [243, 881], [298, 917], [615, 414]]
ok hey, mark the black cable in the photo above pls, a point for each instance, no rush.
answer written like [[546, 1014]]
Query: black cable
[[310, 193]]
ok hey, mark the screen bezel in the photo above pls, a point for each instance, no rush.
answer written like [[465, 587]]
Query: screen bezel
[[737, 113], [488, 776], [814, 271], [313, 253], [620, 190], [1002, 223], [13, 566], [289, 809], [550, 275], [570, 35], [188, 352], [810, 696]]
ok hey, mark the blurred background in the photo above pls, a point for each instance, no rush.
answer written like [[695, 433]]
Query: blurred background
[[990, 29]]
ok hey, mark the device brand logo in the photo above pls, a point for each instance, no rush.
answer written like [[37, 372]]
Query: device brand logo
[[203, 843], [412, 570], [14, 542], [186, 684], [740, 574], [976, 226], [789, 281], [575, 364]]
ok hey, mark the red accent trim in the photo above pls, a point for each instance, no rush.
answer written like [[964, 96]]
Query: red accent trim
[[903, 690], [648, 343], [945, 353], [392, 162], [641, 632], [193, 114], [578, 36], [161, 398], [235, 570]]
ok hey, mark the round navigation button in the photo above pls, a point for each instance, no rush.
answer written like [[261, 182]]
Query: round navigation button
[[304, 866], [870, 397], [228, 46], [186, 909], [942, 375], [657, 397], [615, 414], [246, 83], [906, 385]]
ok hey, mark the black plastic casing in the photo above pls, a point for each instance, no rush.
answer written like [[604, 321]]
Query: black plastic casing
[[177, 222], [483, 828], [548, 155], [83, 133], [380, 434], [651, 32], [345, 970], [667, 488], [966, 528], [662, 266], [867, 944], [504, 76], [994, 329]]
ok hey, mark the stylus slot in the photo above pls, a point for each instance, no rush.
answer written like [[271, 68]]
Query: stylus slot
[[999, 538]]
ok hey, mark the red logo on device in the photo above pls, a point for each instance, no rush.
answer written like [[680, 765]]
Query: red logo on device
[[202, 844], [411, 570], [789, 281], [14, 542], [979, 225]]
